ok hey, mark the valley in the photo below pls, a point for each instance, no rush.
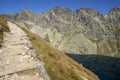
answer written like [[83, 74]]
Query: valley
[[60, 44]]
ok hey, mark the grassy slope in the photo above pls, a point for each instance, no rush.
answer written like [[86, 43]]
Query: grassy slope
[[3, 23], [57, 64]]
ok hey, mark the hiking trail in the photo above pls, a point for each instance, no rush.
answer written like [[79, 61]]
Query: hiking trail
[[18, 55]]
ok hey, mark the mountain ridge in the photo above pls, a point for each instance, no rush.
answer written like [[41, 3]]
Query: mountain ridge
[[72, 32]]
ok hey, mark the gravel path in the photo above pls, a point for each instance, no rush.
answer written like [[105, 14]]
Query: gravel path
[[17, 55]]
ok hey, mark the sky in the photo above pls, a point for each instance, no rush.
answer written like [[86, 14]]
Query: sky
[[38, 6]]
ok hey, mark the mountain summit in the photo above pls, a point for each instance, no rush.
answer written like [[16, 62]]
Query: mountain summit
[[85, 31]]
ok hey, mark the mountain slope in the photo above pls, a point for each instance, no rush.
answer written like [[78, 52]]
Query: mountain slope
[[85, 31], [57, 64]]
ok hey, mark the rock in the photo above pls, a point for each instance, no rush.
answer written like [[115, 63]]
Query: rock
[[31, 58], [37, 74], [21, 60], [8, 62], [5, 66], [63, 28], [1, 51], [29, 53], [0, 62], [23, 53], [23, 78]]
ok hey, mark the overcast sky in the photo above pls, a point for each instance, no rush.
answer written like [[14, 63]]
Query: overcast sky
[[38, 6]]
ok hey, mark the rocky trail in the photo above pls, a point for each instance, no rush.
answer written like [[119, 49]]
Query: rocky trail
[[17, 55]]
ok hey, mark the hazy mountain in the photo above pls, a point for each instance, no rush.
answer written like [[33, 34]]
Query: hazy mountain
[[85, 31]]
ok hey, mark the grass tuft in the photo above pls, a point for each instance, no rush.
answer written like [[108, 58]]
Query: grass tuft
[[3, 24]]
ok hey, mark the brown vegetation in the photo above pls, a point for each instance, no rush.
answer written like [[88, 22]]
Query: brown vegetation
[[3, 25], [57, 64]]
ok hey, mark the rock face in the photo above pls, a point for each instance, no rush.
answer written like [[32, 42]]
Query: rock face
[[85, 31]]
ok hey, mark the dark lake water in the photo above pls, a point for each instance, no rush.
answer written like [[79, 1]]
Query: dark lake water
[[106, 68]]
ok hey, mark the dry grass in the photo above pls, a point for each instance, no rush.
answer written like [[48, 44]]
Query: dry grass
[[3, 24], [57, 64], [1, 37]]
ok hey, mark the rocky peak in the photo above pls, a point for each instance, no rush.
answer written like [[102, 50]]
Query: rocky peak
[[94, 27], [63, 13], [88, 11], [25, 15], [114, 13], [26, 12], [89, 18], [114, 16], [60, 10], [116, 9]]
